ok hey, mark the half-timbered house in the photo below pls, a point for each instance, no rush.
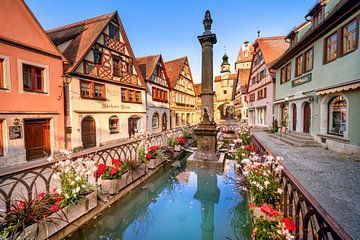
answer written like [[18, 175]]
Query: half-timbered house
[[106, 98], [31, 99], [260, 92], [157, 96], [182, 95]]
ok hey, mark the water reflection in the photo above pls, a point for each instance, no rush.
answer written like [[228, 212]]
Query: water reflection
[[175, 204], [208, 194]]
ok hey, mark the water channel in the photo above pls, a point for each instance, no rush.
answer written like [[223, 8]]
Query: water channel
[[176, 203]]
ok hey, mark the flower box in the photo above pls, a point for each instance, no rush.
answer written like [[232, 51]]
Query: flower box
[[177, 148], [60, 219], [135, 174], [113, 186], [155, 162]]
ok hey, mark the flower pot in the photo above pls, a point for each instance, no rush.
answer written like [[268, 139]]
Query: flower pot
[[113, 186], [177, 148], [152, 163], [160, 161], [60, 219]]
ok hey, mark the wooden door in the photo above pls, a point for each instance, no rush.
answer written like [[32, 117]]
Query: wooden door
[[37, 138], [294, 117], [164, 122], [132, 123], [307, 117], [88, 132]]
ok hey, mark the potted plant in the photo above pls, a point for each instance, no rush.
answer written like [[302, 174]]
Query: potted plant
[[113, 177], [179, 141], [154, 156]]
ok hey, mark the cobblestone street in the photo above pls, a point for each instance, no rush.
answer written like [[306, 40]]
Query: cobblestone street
[[332, 179]]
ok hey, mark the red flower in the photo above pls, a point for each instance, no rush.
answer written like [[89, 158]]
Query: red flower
[[289, 224], [54, 207], [101, 168], [59, 199], [97, 174], [113, 170], [252, 205], [41, 195], [269, 210], [148, 156], [115, 162], [250, 148], [22, 204], [181, 140], [153, 148]]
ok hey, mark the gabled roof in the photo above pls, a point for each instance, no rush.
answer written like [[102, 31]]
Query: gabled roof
[[83, 35], [197, 89], [271, 47], [241, 55], [148, 64], [173, 69]]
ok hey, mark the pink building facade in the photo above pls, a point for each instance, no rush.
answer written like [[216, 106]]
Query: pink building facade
[[31, 87], [261, 87]]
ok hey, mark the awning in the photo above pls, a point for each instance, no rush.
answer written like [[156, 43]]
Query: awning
[[338, 89]]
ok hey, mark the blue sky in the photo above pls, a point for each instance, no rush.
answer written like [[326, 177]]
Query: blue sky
[[171, 27]]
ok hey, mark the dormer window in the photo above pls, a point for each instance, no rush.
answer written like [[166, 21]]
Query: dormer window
[[114, 32], [318, 17]]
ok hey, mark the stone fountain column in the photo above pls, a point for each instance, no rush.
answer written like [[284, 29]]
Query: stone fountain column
[[206, 131]]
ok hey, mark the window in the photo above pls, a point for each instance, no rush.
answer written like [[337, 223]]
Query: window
[[116, 64], [155, 120], [318, 17], [252, 97], [114, 124], [33, 78], [253, 80], [92, 90], [2, 80], [1, 140], [331, 47], [285, 73], [177, 119], [337, 115], [262, 93], [349, 37], [97, 57], [225, 92], [159, 95], [131, 96], [299, 65], [114, 32], [309, 60]]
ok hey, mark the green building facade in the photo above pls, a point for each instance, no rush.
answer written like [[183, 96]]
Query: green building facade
[[318, 77]]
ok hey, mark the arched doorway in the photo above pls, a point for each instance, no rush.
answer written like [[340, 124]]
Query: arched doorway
[[88, 132], [132, 123], [294, 117], [307, 118], [164, 122]]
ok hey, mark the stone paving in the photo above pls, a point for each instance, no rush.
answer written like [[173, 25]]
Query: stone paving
[[332, 179]]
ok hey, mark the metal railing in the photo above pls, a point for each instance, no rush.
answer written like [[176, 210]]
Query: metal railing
[[30, 181], [312, 220]]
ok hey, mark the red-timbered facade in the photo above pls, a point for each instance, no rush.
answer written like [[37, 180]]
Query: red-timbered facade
[[106, 90]]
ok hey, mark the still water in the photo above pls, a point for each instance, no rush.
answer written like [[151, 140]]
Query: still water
[[176, 203]]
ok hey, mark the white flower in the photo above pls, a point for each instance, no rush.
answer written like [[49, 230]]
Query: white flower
[[280, 191], [266, 183]]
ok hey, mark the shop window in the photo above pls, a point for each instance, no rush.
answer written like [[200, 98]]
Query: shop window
[[155, 121], [33, 78], [337, 115], [114, 124]]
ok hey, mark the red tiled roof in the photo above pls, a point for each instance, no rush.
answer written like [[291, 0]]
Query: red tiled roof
[[173, 69], [147, 65], [83, 34], [232, 76], [271, 47], [241, 56], [197, 89]]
